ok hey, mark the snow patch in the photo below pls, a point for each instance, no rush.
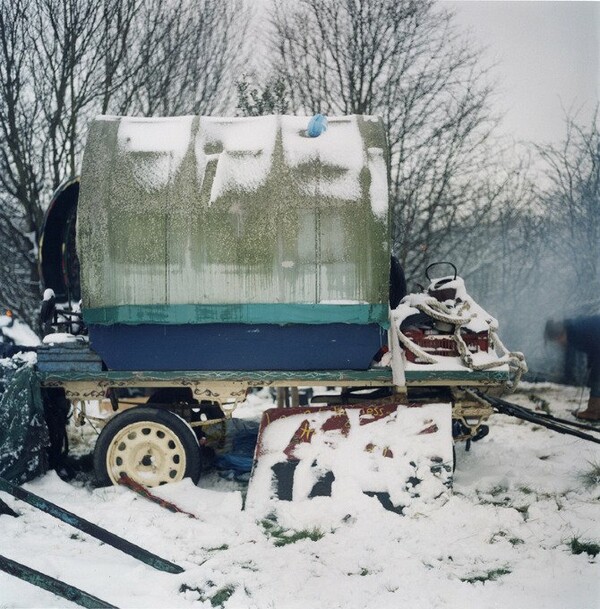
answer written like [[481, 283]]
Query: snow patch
[[158, 147], [19, 332], [502, 539], [339, 149], [63, 337], [245, 151]]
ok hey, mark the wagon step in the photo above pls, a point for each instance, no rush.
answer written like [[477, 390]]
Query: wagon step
[[397, 454], [41, 580], [90, 528]]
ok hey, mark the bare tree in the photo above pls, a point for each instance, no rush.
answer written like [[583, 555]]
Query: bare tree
[[64, 61], [572, 209], [189, 56], [538, 252], [20, 213], [54, 70], [403, 60]]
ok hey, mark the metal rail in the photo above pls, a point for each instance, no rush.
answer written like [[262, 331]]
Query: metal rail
[[549, 421]]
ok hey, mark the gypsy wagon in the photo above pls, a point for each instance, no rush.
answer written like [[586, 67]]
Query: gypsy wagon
[[221, 254]]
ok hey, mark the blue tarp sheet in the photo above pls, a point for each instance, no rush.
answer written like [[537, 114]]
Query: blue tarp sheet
[[237, 462]]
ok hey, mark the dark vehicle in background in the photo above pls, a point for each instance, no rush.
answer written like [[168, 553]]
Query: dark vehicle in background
[[58, 262]]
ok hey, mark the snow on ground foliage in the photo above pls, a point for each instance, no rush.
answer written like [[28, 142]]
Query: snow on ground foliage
[[520, 531]]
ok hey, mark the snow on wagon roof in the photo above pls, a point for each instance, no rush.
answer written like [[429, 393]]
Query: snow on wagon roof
[[243, 148]]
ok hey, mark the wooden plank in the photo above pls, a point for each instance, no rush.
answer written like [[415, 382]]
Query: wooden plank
[[456, 377], [90, 528], [41, 580], [69, 366], [263, 376], [378, 376]]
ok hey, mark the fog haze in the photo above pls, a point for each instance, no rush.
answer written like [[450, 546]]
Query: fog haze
[[547, 60]]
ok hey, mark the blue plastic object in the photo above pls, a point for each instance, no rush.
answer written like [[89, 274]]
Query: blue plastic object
[[317, 125], [237, 464]]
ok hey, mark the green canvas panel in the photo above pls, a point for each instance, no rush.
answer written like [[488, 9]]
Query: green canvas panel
[[218, 211]]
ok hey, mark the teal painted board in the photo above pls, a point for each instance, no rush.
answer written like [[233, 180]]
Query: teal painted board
[[274, 313], [67, 366]]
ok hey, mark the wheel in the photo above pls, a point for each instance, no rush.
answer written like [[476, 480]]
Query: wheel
[[151, 446]]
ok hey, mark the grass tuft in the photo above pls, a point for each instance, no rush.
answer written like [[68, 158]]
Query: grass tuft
[[541, 403], [218, 548], [578, 546], [222, 596], [283, 537], [185, 588], [526, 490], [491, 575], [498, 490], [591, 477], [516, 541]]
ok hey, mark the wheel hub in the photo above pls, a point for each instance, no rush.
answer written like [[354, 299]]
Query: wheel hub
[[148, 452]]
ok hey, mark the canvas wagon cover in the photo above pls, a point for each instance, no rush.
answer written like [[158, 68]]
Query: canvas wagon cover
[[202, 220]]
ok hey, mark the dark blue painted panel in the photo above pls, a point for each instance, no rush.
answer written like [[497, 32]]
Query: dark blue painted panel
[[237, 346]]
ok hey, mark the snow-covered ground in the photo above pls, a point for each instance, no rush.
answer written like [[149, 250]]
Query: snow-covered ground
[[18, 332], [504, 539]]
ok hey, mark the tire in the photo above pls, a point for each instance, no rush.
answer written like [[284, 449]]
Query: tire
[[151, 446]]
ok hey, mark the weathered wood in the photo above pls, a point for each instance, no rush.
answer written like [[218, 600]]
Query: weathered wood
[[68, 357], [144, 492], [280, 378], [90, 528], [41, 580]]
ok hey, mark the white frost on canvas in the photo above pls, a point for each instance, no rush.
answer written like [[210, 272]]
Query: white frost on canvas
[[241, 150]]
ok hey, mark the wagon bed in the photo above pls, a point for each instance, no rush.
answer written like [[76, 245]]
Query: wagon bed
[[234, 384]]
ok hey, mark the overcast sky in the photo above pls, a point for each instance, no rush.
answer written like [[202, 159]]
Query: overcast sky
[[547, 57]]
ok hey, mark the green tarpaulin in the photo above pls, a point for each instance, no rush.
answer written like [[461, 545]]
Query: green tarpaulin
[[24, 438], [233, 211]]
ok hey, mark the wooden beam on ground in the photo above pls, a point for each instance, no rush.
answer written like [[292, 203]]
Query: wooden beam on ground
[[41, 580], [90, 528]]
